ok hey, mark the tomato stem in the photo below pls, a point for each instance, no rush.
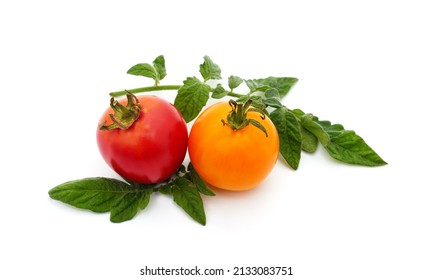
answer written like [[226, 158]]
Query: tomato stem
[[123, 116], [237, 118], [233, 94], [158, 88], [144, 89]]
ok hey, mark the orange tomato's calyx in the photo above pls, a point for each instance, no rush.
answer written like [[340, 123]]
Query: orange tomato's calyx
[[123, 116], [237, 118]]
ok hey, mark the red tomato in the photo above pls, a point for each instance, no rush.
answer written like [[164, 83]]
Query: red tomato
[[232, 159], [152, 148]]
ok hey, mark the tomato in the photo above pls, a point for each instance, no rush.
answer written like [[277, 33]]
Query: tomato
[[152, 148], [232, 159]]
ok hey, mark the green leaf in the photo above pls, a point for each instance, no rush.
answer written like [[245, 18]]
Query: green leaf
[[282, 84], [273, 102], [159, 65], [219, 92], [348, 147], [198, 182], [143, 69], [309, 122], [290, 137], [210, 70], [251, 85], [311, 131], [254, 86], [309, 141], [157, 72], [103, 195], [191, 98], [299, 113], [257, 101], [129, 205], [341, 144], [272, 98], [272, 93], [166, 189], [234, 82], [189, 199]]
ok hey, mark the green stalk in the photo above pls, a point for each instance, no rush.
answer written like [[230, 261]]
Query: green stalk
[[157, 88], [238, 95], [144, 89]]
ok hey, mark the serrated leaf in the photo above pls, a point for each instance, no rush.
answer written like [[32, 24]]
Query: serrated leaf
[[234, 82], [191, 98], [103, 195], [348, 147], [159, 65], [272, 93], [143, 69], [129, 205], [289, 131], [210, 70], [341, 144], [312, 132], [156, 71], [257, 101], [273, 102], [166, 189], [251, 84], [272, 98], [189, 199], [299, 113], [309, 122], [95, 194], [254, 86], [282, 84], [198, 182], [219, 92], [309, 141]]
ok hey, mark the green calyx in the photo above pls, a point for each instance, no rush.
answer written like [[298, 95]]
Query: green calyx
[[237, 118], [123, 116]]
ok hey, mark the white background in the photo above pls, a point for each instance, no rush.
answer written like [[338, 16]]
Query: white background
[[365, 64]]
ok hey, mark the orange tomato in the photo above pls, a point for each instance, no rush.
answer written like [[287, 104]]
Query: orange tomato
[[230, 159]]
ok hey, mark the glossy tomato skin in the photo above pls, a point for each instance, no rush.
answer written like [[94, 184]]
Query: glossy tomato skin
[[152, 149], [232, 160]]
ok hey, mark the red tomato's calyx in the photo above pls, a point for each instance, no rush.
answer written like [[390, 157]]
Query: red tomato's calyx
[[123, 116], [237, 118]]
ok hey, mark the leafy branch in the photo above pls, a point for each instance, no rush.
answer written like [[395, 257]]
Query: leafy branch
[[297, 130], [123, 200]]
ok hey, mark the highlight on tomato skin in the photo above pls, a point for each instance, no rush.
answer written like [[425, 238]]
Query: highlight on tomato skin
[[151, 148], [232, 159]]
